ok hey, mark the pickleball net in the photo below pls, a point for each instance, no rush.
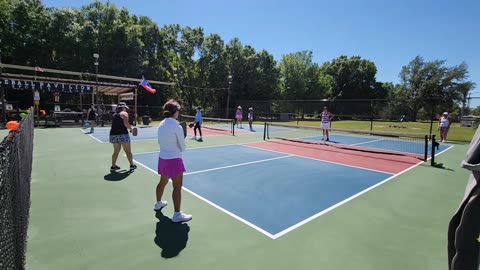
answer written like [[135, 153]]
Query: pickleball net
[[383, 143], [16, 151], [221, 125]]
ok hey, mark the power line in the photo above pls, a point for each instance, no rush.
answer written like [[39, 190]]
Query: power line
[[204, 88]]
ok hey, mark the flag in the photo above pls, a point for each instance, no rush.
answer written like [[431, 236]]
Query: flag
[[147, 86], [38, 69]]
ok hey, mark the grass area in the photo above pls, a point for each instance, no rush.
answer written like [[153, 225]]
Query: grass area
[[456, 133]]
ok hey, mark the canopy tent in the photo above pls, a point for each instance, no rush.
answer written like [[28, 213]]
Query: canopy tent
[[61, 81]]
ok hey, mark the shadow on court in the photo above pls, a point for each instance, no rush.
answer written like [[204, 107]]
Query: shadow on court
[[171, 237], [117, 175]]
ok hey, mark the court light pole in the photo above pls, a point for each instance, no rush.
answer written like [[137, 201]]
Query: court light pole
[[175, 80], [96, 56], [228, 95]]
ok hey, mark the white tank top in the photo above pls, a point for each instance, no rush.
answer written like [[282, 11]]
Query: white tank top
[[444, 122]]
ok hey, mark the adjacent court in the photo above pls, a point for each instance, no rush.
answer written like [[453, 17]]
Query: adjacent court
[[150, 132], [270, 204]]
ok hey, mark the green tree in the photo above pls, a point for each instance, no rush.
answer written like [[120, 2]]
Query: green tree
[[214, 72], [463, 90], [301, 77], [236, 65], [352, 78], [268, 77], [24, 31], [476, 111], [432, 86]]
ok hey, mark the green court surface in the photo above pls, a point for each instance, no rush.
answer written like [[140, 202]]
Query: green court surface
[[81, 218]]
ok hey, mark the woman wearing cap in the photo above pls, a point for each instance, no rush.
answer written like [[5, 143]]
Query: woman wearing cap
[[250, 118], [443, 126], [170, 163], [119, 136], [198, 124], [239, 116]]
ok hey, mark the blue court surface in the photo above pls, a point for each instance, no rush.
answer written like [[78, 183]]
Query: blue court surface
[[414, 146], [271, 192], [150, 132], [144, 133]]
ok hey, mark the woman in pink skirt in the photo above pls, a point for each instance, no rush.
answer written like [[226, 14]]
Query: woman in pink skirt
[[170, 163]]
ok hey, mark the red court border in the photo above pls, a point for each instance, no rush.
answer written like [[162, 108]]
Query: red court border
[[374, 161]]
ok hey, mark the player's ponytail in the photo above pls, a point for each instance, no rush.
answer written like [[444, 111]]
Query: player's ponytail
[[170, 108]]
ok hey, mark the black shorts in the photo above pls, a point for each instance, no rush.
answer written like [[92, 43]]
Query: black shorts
[[92, 116]]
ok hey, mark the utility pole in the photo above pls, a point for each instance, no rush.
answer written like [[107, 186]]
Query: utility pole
[[228, 95], [96, 56]]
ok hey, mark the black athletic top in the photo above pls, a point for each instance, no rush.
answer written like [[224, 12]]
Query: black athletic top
[[91, 115], [118, 128]]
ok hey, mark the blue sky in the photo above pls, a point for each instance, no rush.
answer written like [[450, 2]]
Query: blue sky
[[389, 33]]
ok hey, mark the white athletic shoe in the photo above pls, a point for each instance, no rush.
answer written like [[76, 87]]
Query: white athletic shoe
[[159, 205], [181, 217], [194, 137]]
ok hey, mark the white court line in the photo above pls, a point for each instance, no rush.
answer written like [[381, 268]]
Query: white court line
[[444, 150], [230, 214], [237, 165], [367, 142], [145, 166], [317, 159], [223, 167], [193, 148], [355, 144], [95, 138], [217, 206], [91, 136], [305, 221]]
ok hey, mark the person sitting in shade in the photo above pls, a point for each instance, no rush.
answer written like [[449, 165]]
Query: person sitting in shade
[[443, 126]]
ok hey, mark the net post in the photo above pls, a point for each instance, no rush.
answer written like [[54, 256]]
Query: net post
[[371, 115], [426, 149], [268, 131], [434, 143], [233, 128], [265, 131]]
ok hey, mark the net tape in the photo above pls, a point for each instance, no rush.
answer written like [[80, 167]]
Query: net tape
[[416, 145], [216, 124]]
